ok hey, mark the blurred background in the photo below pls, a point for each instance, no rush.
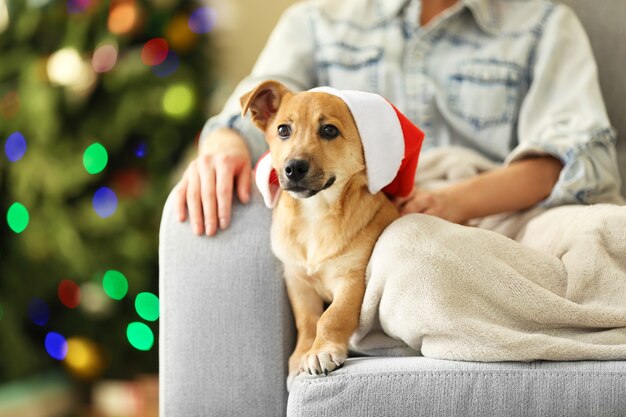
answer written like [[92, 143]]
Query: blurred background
[[101, 104]]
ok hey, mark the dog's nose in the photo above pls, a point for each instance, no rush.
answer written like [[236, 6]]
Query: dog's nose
[[296, 169]]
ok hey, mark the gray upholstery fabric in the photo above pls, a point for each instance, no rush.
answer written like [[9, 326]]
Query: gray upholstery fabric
[[604, 23], [226, 327], [429, 387]]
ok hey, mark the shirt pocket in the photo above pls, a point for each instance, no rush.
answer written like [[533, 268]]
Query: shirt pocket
[[485, 93], [349, 67]]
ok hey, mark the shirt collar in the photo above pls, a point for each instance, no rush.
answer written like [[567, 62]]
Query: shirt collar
[[485, 14], [483, 11]]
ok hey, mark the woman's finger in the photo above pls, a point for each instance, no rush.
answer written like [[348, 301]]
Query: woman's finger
[[420, 203], [224, 181], [244, 180], [208, 197], [194, 203], [181, 199]]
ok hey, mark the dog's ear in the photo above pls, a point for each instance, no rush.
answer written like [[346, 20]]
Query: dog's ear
[[263, 102]]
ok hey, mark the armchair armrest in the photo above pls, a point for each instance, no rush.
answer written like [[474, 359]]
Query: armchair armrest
[[226, 328]]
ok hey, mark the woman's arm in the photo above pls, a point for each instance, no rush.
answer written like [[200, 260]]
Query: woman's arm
[[229, 142], [517, 186], [563, 115]]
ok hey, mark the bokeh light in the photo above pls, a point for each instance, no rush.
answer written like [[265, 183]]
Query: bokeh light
[[56, 345], [94, 300], [1, 312], [65, 67], [38, 311], [154, 51], [104, 202], [141, 150], [178, 100], [10, 105], [77, 6], [115, 284], [130, 183], [4, 16], [179, 35], [147, 306], [18, 217], [167, 67], [15, 146], [202, 20], [69, 293], [140, 336], [95, 158], [84, 358], [123, 17], [104, 58]]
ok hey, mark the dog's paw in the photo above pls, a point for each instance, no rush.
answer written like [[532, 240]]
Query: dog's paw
[[322, 360]]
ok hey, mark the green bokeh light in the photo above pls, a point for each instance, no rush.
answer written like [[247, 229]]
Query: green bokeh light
[[17, 217], [178, 100], [140, 336], [147, 306], [115, 284], [95, 158]]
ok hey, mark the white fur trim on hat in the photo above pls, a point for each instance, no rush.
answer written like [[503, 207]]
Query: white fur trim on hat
[[266, 180], [380, 131]]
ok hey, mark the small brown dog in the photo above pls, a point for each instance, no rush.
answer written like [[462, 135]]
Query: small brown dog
[[326, 221]]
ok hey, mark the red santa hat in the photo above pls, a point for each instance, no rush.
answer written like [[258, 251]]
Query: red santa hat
[[391, 145]]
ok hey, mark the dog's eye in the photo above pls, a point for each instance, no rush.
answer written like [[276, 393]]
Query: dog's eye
[[329, 132], [284, 131]]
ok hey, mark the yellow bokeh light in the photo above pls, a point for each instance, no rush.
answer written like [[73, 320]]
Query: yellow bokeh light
[[178, 34], [178, 100], [84, 358]]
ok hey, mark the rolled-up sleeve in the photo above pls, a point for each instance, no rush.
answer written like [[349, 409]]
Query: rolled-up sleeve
[[563, 115], [288, 57]]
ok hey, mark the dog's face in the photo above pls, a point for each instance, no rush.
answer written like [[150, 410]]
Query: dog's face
[[313, 139]]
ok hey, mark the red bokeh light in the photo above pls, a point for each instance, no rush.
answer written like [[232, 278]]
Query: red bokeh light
[[154, 51], [69, 293]]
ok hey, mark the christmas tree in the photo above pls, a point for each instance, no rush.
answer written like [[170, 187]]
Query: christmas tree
[[98, 100]]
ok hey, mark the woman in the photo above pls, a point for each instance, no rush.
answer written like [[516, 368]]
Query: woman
[[514, 81]]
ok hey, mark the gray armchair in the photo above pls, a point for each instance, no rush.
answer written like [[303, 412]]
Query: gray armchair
[[227, 330]]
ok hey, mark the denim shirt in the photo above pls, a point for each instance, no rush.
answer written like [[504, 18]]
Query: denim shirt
[[507, 78]]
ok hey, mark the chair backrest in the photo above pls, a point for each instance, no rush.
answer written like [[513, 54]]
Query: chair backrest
[[604, 22]]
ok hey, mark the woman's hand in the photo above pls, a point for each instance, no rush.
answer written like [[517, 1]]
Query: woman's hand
[[517, 186], [206, 189], [441, 203]]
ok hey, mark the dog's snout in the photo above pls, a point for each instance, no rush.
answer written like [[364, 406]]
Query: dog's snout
[[296, 169]]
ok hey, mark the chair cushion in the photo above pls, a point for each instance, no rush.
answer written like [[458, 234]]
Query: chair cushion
[[417, 386]]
